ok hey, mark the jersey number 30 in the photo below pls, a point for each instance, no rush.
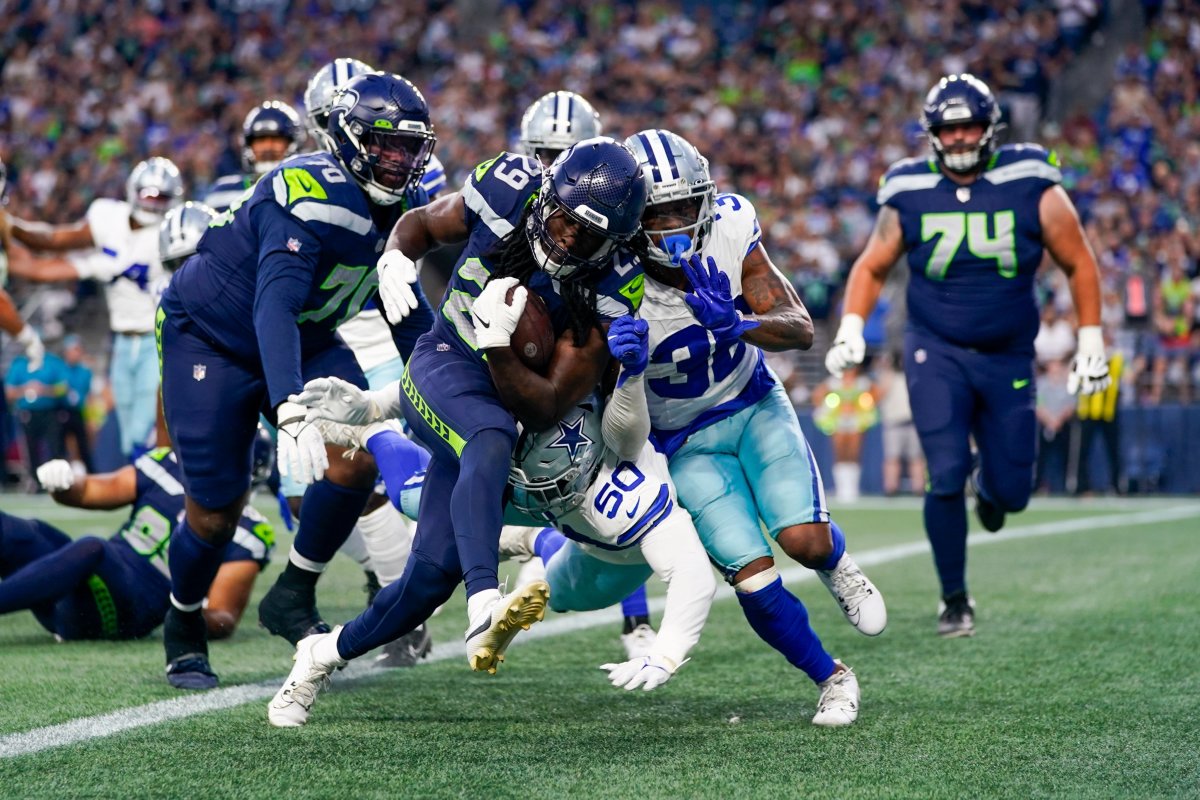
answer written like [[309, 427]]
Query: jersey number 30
[[951, 228]]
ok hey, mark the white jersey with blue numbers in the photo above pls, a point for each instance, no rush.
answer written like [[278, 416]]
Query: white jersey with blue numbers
[[126, 262], [433, 180], [973, 250], [692, 381], [496, 195]]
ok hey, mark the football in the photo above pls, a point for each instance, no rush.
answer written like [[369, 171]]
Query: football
[[533, 340]]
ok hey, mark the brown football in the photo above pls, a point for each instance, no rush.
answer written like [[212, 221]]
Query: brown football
[[533, 340]]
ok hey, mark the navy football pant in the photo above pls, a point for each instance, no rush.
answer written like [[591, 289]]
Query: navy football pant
[[955, 394]]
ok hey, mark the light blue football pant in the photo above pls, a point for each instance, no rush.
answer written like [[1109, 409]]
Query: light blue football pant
[[377, 377], [133, 376], [579, 582], [753, 465]]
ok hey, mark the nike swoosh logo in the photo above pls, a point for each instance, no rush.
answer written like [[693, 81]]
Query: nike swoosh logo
[[487, 324], [635, 509], [1020, 384]]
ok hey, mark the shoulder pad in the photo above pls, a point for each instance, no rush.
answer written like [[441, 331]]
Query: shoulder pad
[[907, 175], [498, 190], [318, 189], [1017, 161], [737, 218]]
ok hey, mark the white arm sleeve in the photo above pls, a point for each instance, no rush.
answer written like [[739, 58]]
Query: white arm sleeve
[[674, 552], [626, 423], [93, 265]]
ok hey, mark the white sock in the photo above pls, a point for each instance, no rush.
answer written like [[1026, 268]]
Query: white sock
[[479, 601], [845, 477], [326, 652], [388, 541], [356, 548], [308, 565]]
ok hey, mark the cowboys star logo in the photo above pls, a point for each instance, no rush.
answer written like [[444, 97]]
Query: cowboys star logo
[[571, 436]]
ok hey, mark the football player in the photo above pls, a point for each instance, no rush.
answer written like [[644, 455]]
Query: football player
[[118, 588], [571, 234], [714, 301], [10, 317], [252, 314], [271, 132], [974, 219], [126, 261]]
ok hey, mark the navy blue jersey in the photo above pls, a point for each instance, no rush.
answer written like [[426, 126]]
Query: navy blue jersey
[[159, 504], [297, 254], [496, 195], [973, 250], [227, 190]]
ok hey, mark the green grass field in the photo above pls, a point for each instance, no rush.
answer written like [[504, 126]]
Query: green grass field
[[1082, 682]]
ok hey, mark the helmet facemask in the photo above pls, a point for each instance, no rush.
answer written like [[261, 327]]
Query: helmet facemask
[[964, 162], [591, 246], [678, 228], [389, 161]]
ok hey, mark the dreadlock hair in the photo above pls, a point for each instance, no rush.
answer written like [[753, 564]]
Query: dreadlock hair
[[514, 259]]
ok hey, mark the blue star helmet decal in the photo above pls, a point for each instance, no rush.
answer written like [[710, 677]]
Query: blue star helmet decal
[[571, 436]]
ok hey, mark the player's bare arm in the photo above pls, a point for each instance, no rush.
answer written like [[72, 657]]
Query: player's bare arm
[[783, 321], [101, 492], [539, 402], [420, 230], [23, 264], [871, 268], [228, 597], [10, 318], [41, 236], [1063, 236]]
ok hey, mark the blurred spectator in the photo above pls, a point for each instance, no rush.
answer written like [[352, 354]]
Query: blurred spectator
[[1173, 315], [1055, 338], [845, 408], [37, 396], [901, 445], [1055, 411], [79, 386], [1098, 419]]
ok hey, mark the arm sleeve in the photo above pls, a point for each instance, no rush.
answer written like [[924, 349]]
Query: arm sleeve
[[626, 423], [405, 334], [675, 554], [287, 260]]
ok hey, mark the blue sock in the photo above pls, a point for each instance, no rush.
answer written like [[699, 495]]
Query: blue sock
[[548, 542], [398, 459], [946, 527], [477, 507], [635, 604], [327, 517], [839, 546], [780, 620], [194, 563], [51, 577]]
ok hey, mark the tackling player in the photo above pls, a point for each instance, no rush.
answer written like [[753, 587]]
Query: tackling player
[[974, 220], [570, 234], [253, 313], [126, 261], [714, 301]]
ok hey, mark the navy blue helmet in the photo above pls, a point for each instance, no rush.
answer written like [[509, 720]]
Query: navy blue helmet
[[380, 130], [271, 118], [960, 100], [598, 184], [263, 456]]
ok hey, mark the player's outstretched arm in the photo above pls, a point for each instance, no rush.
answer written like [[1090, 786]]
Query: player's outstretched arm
[[101, 492], [228, 597], [783, 321], [444, 221], [416, 233], [23, 264], [626, 423], [41, 236], [867, 276]]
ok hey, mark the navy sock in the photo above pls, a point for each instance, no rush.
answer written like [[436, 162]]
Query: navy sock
[[477, 507], [327, 517], [398, 459], [946, 527], [781, 620], [194, 563], [635, 604], [839, 546], [51, 577], [548, 542], [398, 608]]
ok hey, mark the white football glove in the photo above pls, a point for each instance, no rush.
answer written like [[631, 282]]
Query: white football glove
[[1089, 368], [849, 348], [397, 279], [301, 446], [648, 672], [341, 401], [56, 475], [495, 320], [35, 351]]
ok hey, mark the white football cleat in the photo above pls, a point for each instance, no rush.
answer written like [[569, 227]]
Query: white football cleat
[[639, 641], [860, 601], [838, 703], [492, 630], [293, 702]]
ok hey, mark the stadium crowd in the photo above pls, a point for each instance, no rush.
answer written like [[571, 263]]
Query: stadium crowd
[[799, 106]]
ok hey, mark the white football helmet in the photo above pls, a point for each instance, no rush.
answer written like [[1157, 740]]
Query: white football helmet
[[153, 188], [680, 187], [180, 233], [554, 122]]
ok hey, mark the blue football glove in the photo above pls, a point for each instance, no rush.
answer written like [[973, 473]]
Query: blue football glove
[[712, 302], [629, 343]]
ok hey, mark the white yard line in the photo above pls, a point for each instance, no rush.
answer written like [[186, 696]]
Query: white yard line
[[101, 725]]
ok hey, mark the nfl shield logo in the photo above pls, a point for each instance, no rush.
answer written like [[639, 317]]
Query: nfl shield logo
[[293, 245], [198, 371]]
